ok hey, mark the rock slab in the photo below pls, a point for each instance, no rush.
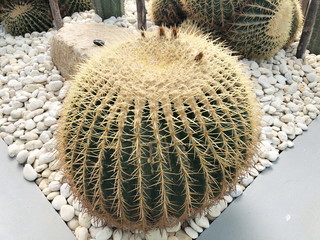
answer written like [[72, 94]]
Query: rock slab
[[73, 44]]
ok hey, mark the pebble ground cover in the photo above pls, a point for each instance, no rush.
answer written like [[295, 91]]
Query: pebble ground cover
[[32, 91]]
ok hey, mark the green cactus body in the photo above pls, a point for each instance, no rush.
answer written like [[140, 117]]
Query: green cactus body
[[261, 29], [167, 12], [20, 17], [156, 129], [68, 7], [253, 28], [212, 13]]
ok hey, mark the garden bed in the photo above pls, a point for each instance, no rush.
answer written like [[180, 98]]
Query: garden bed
[[32, 91]]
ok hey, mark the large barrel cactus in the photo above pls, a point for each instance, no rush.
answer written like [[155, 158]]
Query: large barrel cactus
[[20, 17], [156, 129], [253, 28]]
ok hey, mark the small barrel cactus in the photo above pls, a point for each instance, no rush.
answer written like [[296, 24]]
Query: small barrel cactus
[[20, 17], [68, 7], [156, 129], [167, 12]]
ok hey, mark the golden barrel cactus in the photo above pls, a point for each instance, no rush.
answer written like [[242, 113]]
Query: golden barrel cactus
[[156, 129], [20, 17], [253, 28]]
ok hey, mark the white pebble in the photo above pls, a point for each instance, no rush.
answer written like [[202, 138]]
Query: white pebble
[[67, 212], [192, 233], [104, 234], [54, 186], [84, 220], [272, 155], [117, 234], [73, 224], [46, 158], [81, 233], [156, 234], [29, 173], [237, 191], [65, 190], [58, 202], [22, 156], [202, 221], [174, 228], [194, 226], [214, 211]]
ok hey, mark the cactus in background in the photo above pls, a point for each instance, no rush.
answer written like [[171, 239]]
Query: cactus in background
[[68, 7], [26, 16], [108, 8], [167, 12], [261, 29], [297, 22], [20, 17], [253, 28], [154, 130]]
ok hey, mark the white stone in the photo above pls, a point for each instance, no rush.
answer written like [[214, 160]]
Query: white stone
[[174, 228], [67, 212], [272, 155], [58, 202], [54, 186], [22, 156], [194, 226], [202, 221], [311, 77], [14, 149], [246, 181], [52, 195], [73, 224], [30, 124], [303, 126], [49, 121], [237, 191], [29, 173], [65, 190], [54, 86], [191, 233], [311, 108], [85, 219], [34, 104], [34, 144], [46, 157], [117, 234], [307, 68], [156, 234], [81, 233], [214, 211], [104, 234]]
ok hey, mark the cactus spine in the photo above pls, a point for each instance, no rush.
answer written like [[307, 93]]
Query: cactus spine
[[156, 129]]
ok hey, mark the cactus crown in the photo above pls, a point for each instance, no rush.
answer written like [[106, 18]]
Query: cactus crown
[[154, 130]]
